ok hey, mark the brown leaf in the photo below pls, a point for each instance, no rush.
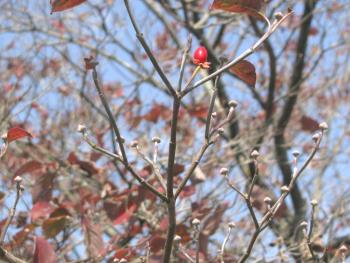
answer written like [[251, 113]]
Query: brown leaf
[[44, 252], [2, 195], [53, 226], [60, 5], [16, 133], [245, 71], [249, 7], [308, 124], [22, 235]]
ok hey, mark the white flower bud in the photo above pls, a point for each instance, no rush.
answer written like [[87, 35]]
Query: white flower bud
[[156, 139], [303, 224], [323, 126], [18, 179], [285, 189], [233, 103], [196, 222], [267, 200], [255, 154], [314, 202], [134, 144], [231, 225], [81, 128], [224, 171]]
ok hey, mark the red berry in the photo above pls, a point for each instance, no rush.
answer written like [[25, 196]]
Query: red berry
[[200, 55]]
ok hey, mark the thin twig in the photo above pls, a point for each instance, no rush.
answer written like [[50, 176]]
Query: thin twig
[[183, 62], [148, 51], [309, 244], [192, 168], [222, 251], [8, 257], [154, 167], [12, 212], [109, 113], [211, 109]]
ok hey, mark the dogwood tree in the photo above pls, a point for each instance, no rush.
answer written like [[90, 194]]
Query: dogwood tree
[[174, 131]]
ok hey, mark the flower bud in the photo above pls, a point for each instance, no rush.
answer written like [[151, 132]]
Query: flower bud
[[303, 224], [233, 103], [314, 202], [231, 225], [156, 139], [285, 189], [177, 238], [278, 15], [18, 179], [316, 137], [134, 144], [267, 200], [323, 126], [221, 131], [81, 128], [224, 171], [255, 154], [296, 153], [196, 222]]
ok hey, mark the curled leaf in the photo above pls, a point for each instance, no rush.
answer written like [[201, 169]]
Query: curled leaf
[[249, 7], [17, 133], [60, 5], [245, 71]]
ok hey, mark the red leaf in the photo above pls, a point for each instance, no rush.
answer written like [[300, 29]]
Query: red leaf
[[249, 7], [157, 111], [16, 133], [157, 243], [41, 209], [123, 253], [188, 191], [42, 189], [29, 167], [93, 238], [308, 124], [199, 111], [44, 252], [178, 168], [60, 5], [184, 232], [245, 71], [125, 214], [87, 166]]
